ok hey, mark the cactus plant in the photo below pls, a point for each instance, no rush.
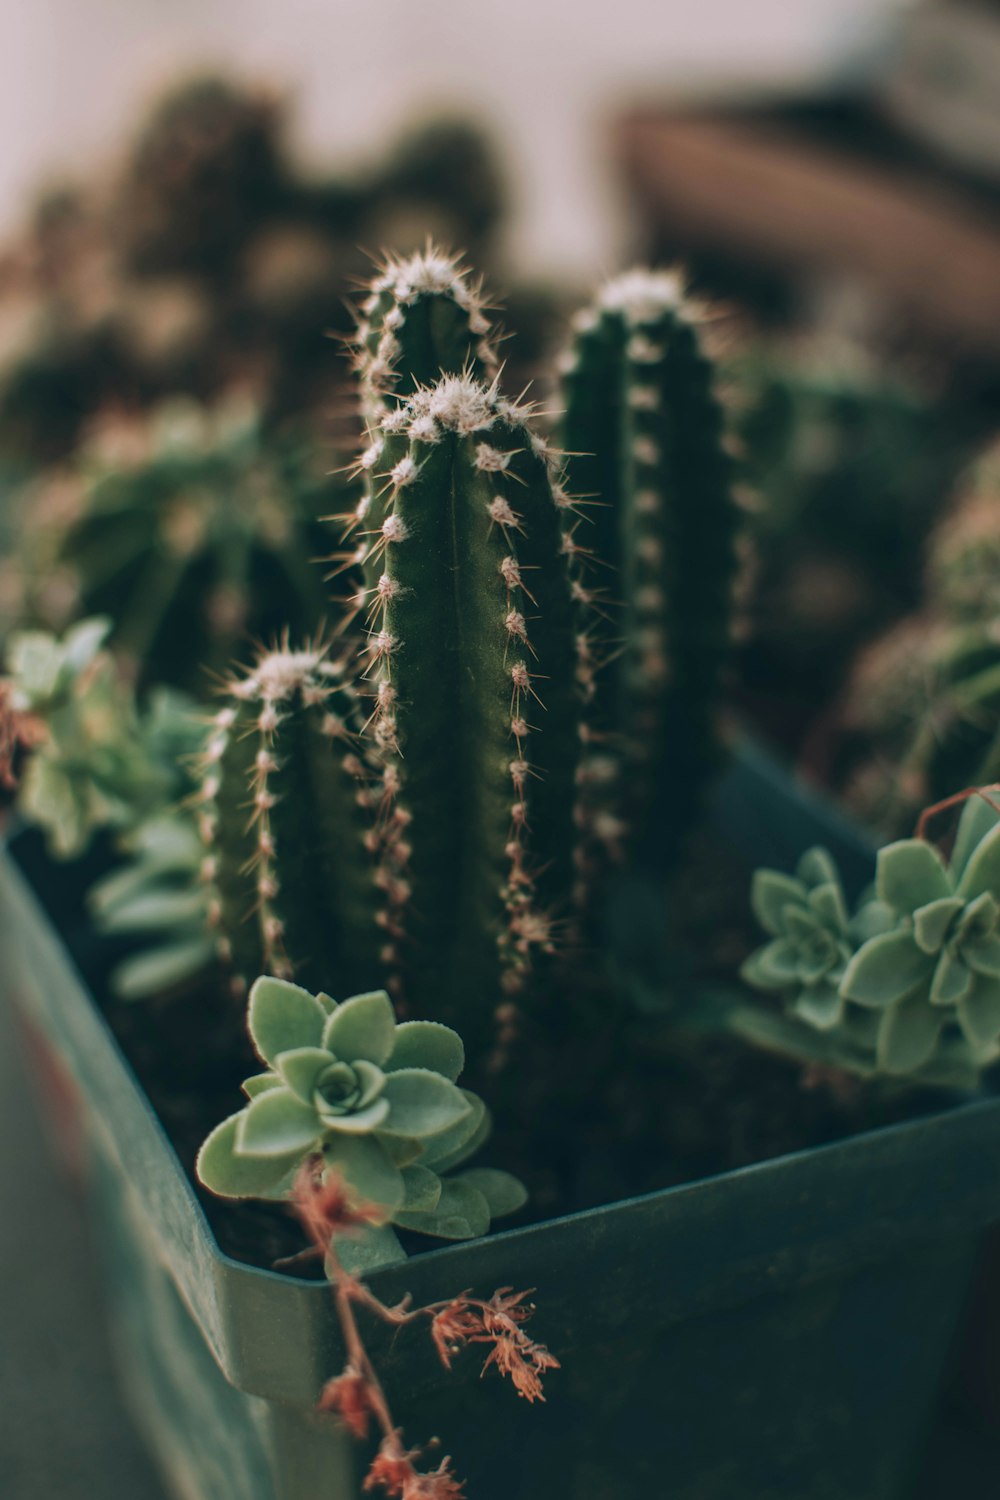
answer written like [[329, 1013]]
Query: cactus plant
[[193, 533], [909, 987], [285, 815], [919, 715], [655, 549], [377, 1102], [434, 835]]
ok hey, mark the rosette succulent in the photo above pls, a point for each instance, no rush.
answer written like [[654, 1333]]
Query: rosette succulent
[[377, 1100], [938, 968], [813, 938], [907, 987]]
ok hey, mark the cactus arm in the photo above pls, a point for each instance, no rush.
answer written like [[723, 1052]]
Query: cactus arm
[[423, 318], [288, 825], [667, 524]]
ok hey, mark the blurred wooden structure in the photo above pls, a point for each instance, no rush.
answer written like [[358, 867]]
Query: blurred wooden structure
[[770, 194]]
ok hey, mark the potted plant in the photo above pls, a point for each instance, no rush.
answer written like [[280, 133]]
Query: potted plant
[[482, 805]]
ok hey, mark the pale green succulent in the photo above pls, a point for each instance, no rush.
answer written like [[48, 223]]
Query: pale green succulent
[[813, 937], [939, 966], [377, 1100], [91, 769], [907, 987]]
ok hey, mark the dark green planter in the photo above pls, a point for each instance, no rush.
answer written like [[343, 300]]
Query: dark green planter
[[777, 1331]]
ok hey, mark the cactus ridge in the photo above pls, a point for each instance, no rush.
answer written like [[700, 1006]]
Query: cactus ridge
[[644, 431], [285, 814], [469, 660]]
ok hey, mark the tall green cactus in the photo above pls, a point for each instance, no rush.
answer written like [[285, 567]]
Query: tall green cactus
[[285, 817], [470, 658], [654, 550]]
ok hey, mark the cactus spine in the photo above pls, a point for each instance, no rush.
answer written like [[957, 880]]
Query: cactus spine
[[285, 817], [644, 438]]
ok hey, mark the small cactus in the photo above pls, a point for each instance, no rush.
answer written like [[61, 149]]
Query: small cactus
[[285, 818], [919, 715], [655, 548]]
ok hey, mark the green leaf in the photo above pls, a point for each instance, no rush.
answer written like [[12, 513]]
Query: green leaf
[[369, 1250], [160, 969], [908, 1035], [931, 922], [952, 979], [820, 1005], [151, 911], [260, 1083], [366, 1168], [300, 1069], [372, 1081], [503, 1193], [817, 867], [427, 1044], [423, 1190], [451, 1147], [770, 893], [276, 1123], [982, 873], [911, 874], [362, 1027], [360, 1122], [462, 1213], [885, 970], [977, 820], [404, 1150], [282, 1017], [983, 955], [872, 918], [422, 1103], [773, 967], [827, 901], [979, 1012], [979, 919], [228, 1174]]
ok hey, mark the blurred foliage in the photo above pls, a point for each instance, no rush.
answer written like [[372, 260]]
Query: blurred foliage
[[847, 468], [212, 258]]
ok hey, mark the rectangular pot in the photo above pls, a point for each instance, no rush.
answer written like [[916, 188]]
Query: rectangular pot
[[774, 1331]]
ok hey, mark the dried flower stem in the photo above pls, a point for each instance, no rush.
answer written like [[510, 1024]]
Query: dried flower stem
[[324, 1207], [955, 800]]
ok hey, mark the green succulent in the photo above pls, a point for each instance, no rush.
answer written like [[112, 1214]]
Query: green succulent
[[813, 937], [377, 1100], [939, 965], [101, 763], [909, 986]]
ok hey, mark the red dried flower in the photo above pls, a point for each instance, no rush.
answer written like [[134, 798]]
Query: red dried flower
[[513, 1352], [453, 1327], [19, 730], [325, 1205], [440, 1485], [348, 1396], [392, 1468]]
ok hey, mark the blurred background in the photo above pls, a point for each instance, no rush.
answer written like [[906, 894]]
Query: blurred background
[[189, 194]]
